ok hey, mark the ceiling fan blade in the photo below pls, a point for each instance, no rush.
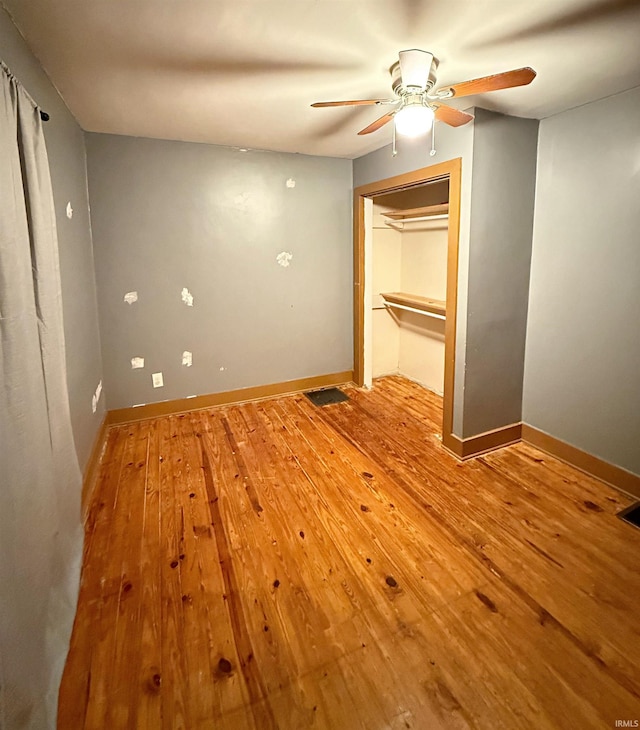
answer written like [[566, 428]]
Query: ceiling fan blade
[[449, 115], [414, 68], [357, 102], [378, 123], [506, 80]]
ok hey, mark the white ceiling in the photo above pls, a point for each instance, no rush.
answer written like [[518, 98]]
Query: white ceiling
[[244, 72]]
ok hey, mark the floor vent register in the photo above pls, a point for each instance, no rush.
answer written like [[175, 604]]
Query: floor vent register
[[327, 396], [631, 514]]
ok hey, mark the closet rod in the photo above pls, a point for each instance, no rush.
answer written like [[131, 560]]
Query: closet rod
[[442, 217], [413, 309], [399, 224]]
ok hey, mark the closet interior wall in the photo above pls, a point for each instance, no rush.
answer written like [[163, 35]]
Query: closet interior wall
[[409, 258]]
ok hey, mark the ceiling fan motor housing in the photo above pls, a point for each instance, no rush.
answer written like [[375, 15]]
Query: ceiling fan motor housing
[[412, 99], [396, 79]]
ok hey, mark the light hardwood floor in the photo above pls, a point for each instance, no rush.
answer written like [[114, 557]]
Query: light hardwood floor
[[279, 565]]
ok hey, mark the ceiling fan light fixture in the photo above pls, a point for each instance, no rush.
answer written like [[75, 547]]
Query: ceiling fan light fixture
[[413, 120]]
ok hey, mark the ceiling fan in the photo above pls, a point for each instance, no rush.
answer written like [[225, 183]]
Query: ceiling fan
[[415, 107]]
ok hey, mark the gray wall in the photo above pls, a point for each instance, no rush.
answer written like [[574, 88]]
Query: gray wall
[[65, 147], [173, 215], [413, 154], [502, 202], [582, 366]]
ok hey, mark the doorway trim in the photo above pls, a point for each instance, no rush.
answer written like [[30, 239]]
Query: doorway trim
[[451, 169]]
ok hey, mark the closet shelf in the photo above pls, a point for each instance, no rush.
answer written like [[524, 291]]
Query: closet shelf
[[426, 305], [424, 212]]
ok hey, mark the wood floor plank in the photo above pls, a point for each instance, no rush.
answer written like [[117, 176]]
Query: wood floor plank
[[102, 634], [293, 566], [122, 691], [173, 682], [205, 602], [149, 675], [77, 672], [246, 620]]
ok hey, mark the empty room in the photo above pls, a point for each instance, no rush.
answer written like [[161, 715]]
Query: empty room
[[319, 365]]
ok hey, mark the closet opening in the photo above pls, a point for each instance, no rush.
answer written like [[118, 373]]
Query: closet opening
[[406, 231]]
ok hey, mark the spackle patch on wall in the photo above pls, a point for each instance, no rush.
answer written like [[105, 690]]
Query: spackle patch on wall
[[291, 183], [130, 297], [137, 362], [69, 211], [96, 397], [241, 201], [284, 258], [187, 297], [187, 358]]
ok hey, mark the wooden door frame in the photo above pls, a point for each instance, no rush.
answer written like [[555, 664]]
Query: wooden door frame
[[451, 169]]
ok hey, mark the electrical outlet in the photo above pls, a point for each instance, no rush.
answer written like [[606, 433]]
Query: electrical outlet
[[157, 381]]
